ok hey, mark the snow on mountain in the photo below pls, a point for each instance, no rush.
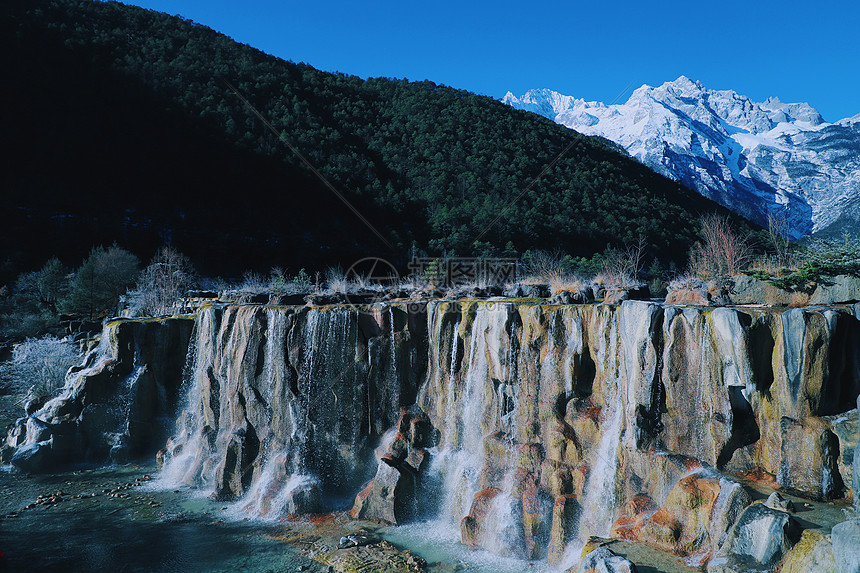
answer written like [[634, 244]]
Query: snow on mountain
[[755, 158]]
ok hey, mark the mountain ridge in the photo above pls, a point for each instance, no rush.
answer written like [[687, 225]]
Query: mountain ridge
[[120, 128], [756, 158]]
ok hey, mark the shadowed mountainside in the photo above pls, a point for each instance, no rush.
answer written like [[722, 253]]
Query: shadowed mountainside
[[119, 125]]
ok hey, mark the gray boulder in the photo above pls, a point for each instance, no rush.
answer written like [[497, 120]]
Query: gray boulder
[[527, 291], [776, 501], [837, 290], [750, 290], [846, 546], [602, 560], [730, 503], [569, 297], [757, 542], [34, 458], [814, 552]]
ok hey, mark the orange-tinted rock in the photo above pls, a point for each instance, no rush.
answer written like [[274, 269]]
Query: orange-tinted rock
[[632, 517], [681, 524], [471, 527], [565, 511]]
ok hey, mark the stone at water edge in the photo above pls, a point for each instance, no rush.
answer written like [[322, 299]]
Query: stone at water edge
[[730, 504], [776, 501], [603, 560], [757, 541], [390, 497], [34, 458], [814, 552], [681, 525], [471, 526], [846, 546], [376, 502]]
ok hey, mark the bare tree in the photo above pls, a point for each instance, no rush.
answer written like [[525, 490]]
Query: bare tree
[[778, 233], [166, 280], [721, 253]]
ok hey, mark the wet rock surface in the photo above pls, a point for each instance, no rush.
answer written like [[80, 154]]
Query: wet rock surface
[[814, 552], [118, 405], [391, 497], [845, 538], [759, 539], [603, 560]]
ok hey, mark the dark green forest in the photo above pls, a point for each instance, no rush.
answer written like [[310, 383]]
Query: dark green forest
[[119, 126]]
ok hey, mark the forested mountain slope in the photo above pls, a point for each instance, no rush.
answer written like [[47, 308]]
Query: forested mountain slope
[[119, 125]]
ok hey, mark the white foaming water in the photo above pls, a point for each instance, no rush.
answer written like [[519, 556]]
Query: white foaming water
[[480, 400], [598, 505], [273, 494], [436, 543], [461, 454], [285, 412], [183, 467]]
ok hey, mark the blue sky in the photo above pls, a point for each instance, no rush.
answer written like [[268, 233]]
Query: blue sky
[[798, 51]]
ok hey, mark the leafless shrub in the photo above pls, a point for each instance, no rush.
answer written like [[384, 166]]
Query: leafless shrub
[[565, 283], [336, 281], [253, 283], [686, 282], [542, 266], [778, 234], [40, 364], [799, 299], [165, 281], [721, 253]]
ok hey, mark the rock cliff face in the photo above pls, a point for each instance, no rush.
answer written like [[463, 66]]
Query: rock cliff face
[[286, 404], [120, 403], [528, 426], [552, 418]]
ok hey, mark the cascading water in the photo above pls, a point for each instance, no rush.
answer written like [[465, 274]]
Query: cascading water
[[461, 453], [598, 505], [282, 407], [284, 485], [537, 420], [184, 466]]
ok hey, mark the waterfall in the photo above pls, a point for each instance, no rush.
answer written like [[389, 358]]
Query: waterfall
[[468, 416], [284, 485], [598, 506], [184, 465], [276, 402], [518, 427]]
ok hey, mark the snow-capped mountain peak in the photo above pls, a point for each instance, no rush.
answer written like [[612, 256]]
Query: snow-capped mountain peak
[[755, 158]]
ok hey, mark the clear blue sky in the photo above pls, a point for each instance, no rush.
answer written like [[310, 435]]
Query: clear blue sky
[[799, 51]]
